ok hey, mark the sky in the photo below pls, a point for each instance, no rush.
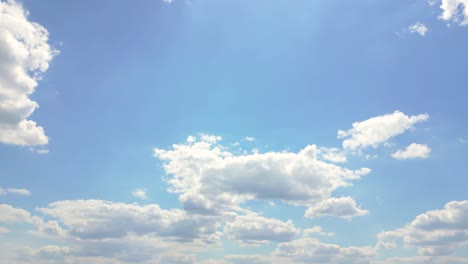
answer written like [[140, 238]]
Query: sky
[[233, 131]]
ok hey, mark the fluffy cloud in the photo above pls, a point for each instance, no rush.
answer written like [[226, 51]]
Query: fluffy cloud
[[309, 250], [413, 151], [455, 10], [253, 229], [209, 179], [419, 28], [437, 232], [377, 130], [14, 191], [97, 219], [344, 207], [25, 54]]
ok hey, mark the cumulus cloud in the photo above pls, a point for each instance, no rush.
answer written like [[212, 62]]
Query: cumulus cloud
[[140, 194], [25, 54], [209, 179], [14, 191], [378, 130], [418, 28], [413, 151], [309, 250], [4, 230], [334, 155], [253, 229], [438, 232], [344, 207], [455, 10], [97, 219]]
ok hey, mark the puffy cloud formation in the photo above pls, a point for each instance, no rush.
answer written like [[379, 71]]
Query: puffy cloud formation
[[377, 130], [10, 214], [434, 233], [255, 229], [97, 219], [209, 179], [25, 54], [14, 191], [419, 28], [455, 10], [344, 207], [413, 151]]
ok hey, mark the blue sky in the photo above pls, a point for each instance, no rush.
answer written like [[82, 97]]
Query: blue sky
[[223, 132]]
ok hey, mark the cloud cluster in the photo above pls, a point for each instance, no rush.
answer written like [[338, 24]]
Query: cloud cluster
[[25, 54], [344, 207], [209, 179]]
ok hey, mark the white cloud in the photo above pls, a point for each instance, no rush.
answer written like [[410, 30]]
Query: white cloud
[[25, 54], [333, 155], [462, 140], [309, 250], [252, 229], [14, 191], [455, 10], [378, 130], [316, 230], [140, 193], [419, 28], [250, 139], [97, 219], [344, 207], [438, 232], [413, 151], [209, 179]]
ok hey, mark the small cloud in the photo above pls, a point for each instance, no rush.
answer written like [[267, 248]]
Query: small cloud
[[14, 191], [419, 28], [413, 151], [316, 230], [4, 230], [462, 140], [250, 139], [42, 151], [191, 139], [140, 194]]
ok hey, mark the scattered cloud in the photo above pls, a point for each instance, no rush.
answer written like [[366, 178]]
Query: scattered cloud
[[434, 233], [14, 191], [418, 28], [455, 11], [462, 140], [378, 130], [344, 207], [140, 194], [25, 55], [413, 151]]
